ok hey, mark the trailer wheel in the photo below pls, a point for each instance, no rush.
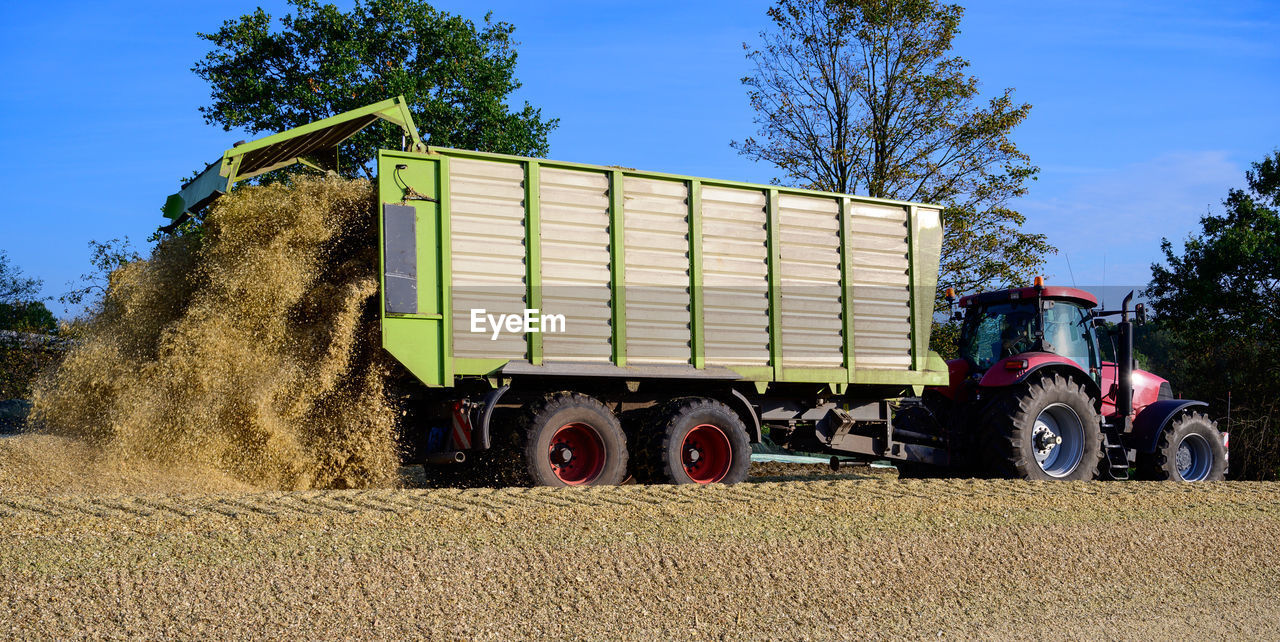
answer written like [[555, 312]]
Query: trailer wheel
[[693, 441], [1190, 449], [566, 439], [1047, 429]]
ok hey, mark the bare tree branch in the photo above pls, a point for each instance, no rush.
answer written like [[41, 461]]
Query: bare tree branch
[[866, 96]]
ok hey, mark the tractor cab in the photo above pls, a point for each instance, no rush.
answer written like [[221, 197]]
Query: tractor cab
[[1007, 334], [1018, 330], [1021, 324]]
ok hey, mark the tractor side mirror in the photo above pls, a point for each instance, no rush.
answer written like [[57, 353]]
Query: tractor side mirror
[[1140, 313]]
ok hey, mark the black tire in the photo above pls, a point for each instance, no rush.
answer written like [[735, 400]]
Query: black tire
[[1011, 440], [600, 459], [1201, 437], [693, 441]]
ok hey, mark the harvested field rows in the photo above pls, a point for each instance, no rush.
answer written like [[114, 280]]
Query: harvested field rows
[[793, 559]]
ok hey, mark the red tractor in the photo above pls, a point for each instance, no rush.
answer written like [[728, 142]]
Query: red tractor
[[1031, 397]]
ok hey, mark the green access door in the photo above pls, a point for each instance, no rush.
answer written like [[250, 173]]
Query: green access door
[[412, 265]]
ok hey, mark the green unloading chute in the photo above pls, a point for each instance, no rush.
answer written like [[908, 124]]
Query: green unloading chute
[[314, 145]]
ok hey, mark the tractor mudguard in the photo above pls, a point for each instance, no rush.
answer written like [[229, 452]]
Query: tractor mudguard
[[485, 410], [742, 405], [1038, 364], [1153, 419]]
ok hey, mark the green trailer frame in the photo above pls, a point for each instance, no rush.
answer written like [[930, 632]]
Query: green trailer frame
[[422, 341]]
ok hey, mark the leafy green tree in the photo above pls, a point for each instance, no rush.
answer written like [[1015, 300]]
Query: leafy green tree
[[21, 308], [866, 96], [23, 320], [1218, 302], [16, 287], [30, 316], [320, 61]]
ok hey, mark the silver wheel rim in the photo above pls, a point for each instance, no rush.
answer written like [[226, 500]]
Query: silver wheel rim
[[1194, 458], [1057, 439]]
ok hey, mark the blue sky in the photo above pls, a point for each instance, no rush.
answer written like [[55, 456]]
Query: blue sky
[[1144, 113]]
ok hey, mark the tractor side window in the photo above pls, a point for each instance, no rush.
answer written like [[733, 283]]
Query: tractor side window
[[984, 345], [998, 331], [1066, 333]]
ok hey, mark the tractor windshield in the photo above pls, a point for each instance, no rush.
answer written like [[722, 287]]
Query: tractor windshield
[[1003, 330], [994, 332]]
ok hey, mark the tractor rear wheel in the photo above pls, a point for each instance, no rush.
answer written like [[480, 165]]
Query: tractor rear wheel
[[1046, 429], [693, 441], [565, 439], [1190, 449]]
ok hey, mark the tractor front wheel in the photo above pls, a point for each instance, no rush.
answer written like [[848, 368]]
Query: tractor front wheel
[[1190, 449], [1046, 429]]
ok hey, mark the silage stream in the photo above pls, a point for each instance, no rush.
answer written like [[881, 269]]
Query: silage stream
[[249, 359]]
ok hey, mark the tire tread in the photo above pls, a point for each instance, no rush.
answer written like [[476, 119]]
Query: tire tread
[[654, 433], [511, 457], [1158, 465], [1013, 413]]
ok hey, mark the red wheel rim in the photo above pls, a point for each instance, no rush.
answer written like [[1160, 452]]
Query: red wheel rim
[[706, 454], [576, 454]]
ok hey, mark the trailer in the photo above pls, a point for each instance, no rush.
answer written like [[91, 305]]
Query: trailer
[[577, 324]]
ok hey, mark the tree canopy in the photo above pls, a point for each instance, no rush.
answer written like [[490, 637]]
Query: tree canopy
[[20, 306], [865, 96], [16, 287], [319, 61], [22, 313], [1226, 281], [1218, 301], [31, 316]]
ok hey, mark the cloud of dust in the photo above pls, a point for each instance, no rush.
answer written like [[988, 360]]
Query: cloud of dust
[[253, 354]]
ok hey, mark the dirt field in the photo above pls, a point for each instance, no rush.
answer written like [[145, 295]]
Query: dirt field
[[817, 559]]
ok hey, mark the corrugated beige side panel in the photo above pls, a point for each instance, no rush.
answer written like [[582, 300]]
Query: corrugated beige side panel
[[735, 277], [656, 261], [810, 281], [879, 266], [575, 264], [487, 225]]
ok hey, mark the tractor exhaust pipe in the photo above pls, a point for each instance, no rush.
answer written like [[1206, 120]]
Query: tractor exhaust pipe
[[447, 457], [1124, 392]]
